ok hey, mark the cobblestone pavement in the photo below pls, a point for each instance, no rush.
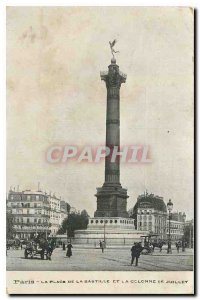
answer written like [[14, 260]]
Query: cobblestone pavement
[[94, 260]]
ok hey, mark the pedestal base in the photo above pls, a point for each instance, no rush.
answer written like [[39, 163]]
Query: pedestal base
[[114, 231], [111, 201]]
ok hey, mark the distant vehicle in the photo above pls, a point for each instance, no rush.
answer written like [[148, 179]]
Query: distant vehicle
[[41, 248], [24, 243], [13, 244], [150, 242]]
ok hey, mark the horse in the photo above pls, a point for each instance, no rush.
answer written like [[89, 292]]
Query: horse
[[158, 245]]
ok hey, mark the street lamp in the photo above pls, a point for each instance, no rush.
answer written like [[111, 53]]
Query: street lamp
[[169, 207]]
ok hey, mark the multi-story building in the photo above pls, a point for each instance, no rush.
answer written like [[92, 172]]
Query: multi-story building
[[64, 211], [150, 214], [177, 224], [36, 212], [55, 213], [31, 212]]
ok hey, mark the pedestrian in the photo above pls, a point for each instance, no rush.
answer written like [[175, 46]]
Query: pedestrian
[[160, 245], [69, 250], [64, 246], [102, 245], [135, 253], [177, 246]]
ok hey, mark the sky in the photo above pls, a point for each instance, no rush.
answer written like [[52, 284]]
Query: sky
[[55, 97]]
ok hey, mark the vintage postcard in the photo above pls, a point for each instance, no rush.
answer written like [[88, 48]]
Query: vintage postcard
[[100, 150]]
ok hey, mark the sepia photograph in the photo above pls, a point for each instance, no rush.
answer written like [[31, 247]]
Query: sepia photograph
[[100, 149]]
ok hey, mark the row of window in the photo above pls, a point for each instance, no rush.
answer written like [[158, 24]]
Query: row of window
[[144, 217], [26, 205], [28, 197], [32, 212], [177, 226], [38, 221], [145, 223], [173, 231], [145, 211]]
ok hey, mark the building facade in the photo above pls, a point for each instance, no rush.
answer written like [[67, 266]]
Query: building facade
[[35, 212], [150, 214], [64, 211], [54, 213], [31, 212], [177, 225]]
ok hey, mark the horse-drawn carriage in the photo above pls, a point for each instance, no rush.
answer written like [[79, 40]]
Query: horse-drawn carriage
[[39, 247], [151, 242]]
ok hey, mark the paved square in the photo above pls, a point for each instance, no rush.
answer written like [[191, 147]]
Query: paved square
[[95, 260]]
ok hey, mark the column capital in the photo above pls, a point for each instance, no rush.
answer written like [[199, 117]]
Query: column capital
[[113, 77]]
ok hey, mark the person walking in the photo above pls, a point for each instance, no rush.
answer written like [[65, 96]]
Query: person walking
[[102, 246], [64, 248], [135, 253], [69, 250], [160, 245], [177, 246]]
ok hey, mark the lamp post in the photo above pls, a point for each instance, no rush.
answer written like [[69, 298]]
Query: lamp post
[[169, 207], [190, 236], [104, 233]]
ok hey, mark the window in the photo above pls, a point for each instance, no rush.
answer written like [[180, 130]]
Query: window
[[96, 221], [111, 221], [101, 221], [28, 220], [37, 197], [115, 221], [28, 197]]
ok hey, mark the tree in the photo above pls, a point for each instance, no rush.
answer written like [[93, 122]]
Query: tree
[[75, 221], [10, 231]]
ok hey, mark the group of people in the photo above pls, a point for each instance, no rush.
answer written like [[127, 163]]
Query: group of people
[[135, 250], [179, 245]]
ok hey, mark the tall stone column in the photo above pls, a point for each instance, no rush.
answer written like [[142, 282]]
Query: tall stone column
[[112, 198]]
